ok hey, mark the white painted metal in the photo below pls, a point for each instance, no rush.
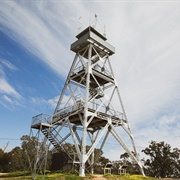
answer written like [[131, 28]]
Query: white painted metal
[[90, 102]]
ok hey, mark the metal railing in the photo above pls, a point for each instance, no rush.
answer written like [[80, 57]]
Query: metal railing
[[103, 111], [41, 118], [66, 111]]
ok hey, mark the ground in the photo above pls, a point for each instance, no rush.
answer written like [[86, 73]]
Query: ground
[[98, 177], [1, 174]]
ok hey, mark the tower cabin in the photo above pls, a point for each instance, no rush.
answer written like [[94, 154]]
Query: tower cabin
[[91, 35]]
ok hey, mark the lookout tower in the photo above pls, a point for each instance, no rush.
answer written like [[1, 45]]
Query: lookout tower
[[90, 106]]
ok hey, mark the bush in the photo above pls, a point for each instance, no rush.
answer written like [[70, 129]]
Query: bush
[[73, 177]]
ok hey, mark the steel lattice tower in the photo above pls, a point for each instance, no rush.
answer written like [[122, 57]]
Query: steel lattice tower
[[90, 106]]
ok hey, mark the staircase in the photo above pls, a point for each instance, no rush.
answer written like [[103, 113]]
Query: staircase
[[95, 93], [52, 138]]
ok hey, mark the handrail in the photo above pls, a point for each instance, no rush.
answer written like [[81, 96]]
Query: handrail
[[41, 118], [115, 115], [67, 110], [44, 118]]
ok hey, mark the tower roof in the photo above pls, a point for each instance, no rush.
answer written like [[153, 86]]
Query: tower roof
[[91, 29], [91, 35]]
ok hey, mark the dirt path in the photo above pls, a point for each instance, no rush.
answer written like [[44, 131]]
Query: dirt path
[[98, 177], [3, 174], [171, 179]]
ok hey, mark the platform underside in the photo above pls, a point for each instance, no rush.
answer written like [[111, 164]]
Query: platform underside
[[41, 126], [102, 79], [98, 121]]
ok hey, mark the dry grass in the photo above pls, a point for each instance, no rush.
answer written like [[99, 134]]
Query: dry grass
[[58, 176]]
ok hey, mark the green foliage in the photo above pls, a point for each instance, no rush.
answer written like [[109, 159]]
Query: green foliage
[[132, 167], [162, 162], [128, 177], [21, 158], [59, 171], [4, 162], [73, 177], [109, 176], [138, 177], [59, 176]]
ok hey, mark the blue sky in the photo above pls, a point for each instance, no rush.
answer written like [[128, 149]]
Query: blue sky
[[27, 87], [35, 57]]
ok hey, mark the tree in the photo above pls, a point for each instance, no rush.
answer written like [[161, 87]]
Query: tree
[[29, 150], [176, 165], [1, 160], [35, 153], [4, 161], [124, 156], [59, 160], [16, 159], [162, 162], [132, 168], [25, 157]]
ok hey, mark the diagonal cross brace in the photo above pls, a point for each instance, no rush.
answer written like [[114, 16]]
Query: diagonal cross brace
[[121, 142], [97, 140]]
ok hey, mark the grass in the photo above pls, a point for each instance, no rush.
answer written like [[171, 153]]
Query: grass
[[60, 176], [53, 176], [128, 177]]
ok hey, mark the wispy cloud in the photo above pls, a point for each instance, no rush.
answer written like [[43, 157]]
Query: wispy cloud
[[7, 99], [8, 64], [45, 37], [9, 96], [38, 101], [50, 103], [147, 52], [43, 104], [6, 88], [53, 102]]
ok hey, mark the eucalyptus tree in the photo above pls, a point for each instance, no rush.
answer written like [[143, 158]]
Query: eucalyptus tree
[[162, 161]]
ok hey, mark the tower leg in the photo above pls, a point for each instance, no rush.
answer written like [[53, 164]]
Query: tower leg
[[82, 170], [85, 124], [82, 165], [83, 154], [141, 169], [92, 163], [92, 157]]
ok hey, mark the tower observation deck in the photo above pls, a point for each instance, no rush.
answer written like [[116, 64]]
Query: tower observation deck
[[90, 106]]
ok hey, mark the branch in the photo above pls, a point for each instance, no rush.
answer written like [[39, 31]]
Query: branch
[[6, 146]]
